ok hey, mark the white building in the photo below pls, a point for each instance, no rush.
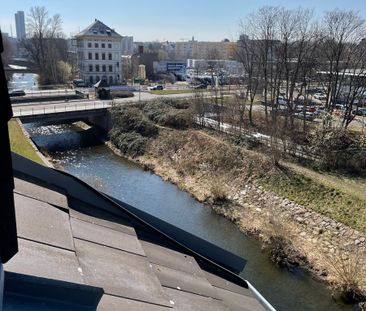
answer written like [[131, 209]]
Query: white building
[[127, 45], [230, 67], [99, 50], [20, 25]]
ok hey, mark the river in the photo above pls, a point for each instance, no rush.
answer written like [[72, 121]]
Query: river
[[123, 179]]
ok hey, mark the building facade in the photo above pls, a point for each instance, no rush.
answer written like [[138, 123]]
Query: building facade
[[127, 45], [205, 50], [20, 25], [99, 50]]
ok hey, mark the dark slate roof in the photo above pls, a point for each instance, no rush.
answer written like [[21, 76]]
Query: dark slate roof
[[74, 256], [99, 29]]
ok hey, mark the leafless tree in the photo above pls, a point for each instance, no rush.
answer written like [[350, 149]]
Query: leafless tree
[[45, 44], [342, 59]]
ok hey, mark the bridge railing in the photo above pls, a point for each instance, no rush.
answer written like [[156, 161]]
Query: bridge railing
[[59, 108]]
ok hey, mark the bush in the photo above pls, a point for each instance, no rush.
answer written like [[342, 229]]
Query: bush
[[130, 119], [132, 144], [338, 149], [165, 113]]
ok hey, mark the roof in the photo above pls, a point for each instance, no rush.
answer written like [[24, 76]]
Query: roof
[[76, 255], [98, 29]]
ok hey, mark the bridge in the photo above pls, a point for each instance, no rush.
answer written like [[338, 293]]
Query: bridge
[[94, 111], [19, 65]]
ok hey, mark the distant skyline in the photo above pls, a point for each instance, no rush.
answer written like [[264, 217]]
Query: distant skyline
[[162, 20]]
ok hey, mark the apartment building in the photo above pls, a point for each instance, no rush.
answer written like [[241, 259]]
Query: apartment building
[[99, 50], [204, 50]]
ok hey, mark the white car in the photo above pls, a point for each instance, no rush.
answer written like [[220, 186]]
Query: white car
[[320, 96]]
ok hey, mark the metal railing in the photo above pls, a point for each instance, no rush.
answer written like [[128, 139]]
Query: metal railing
[[293, 149], [59, 108]]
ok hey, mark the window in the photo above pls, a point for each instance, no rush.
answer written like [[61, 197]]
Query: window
[[96, 45], [90, 67], [110, 68], [90, 56], [96, 67], [96, 56], [110, 56], [109, 45], [103, 45], [103, 56], [110, 80], [104, 68], [117, 64], [89, 45], [97, 78], [91, 79]]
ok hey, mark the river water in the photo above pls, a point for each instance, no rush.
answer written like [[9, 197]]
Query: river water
[[123, 179]]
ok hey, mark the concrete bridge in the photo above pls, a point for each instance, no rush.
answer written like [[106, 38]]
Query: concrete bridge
[[95, 112]]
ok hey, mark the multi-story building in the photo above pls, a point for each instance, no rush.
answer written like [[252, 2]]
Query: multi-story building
[[99, 50], [204, 49], [20, 25], [127, 45]]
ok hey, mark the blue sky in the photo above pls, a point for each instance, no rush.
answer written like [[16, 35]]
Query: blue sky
[[173, 20]]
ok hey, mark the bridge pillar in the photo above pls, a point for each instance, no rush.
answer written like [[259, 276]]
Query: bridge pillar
[[104, 122]]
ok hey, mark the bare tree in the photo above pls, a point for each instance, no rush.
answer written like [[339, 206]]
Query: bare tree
[[45, 43], [8, 51], [247, 53], [343, 61]]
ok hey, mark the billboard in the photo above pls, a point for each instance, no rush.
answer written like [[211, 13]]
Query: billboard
[[176, 67]]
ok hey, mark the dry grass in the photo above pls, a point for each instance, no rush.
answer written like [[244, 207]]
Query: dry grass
[[20, 144], [345, 277]]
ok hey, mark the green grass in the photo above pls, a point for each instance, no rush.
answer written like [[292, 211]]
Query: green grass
[[20, 144], [170, 92], [329, 201]]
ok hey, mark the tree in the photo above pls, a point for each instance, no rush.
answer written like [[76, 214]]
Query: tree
[[342, 60], [45, 44], [8, 51]]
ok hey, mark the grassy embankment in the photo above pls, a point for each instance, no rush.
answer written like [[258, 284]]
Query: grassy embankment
[[210, 166], [20, 144], [212, 160]]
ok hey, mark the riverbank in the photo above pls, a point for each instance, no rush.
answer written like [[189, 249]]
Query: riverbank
[[21, 143], [207, 167]]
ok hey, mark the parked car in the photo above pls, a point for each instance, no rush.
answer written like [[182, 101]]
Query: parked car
[[78, 83], [156, 88], [14, 93], [359, 112], [200, 86], [320, 96], [309, 116]]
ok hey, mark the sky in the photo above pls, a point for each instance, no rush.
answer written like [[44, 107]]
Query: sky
[[172, 20]]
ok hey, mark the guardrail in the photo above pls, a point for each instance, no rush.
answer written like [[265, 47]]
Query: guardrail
[[282, 145], [59, 108]]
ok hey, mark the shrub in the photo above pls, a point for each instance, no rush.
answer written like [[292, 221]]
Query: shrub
[[130, 119], [132, 144], [164, 112], [218, 193], [338, 149]]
